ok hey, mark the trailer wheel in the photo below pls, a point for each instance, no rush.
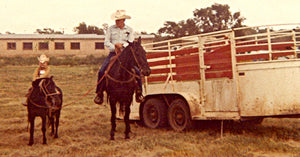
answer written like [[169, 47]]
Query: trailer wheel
[[154, 113], [179, 115]]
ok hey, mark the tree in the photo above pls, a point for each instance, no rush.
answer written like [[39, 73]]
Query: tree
[[84, 29], [48, 31], [182, 28], [215, 18]]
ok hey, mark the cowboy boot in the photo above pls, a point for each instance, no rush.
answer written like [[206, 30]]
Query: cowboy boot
[[139, 95], [25, 101]]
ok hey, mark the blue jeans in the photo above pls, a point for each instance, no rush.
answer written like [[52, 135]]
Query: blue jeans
[[104, 67]]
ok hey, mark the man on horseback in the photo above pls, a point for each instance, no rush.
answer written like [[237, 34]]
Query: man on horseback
[[116, 39]]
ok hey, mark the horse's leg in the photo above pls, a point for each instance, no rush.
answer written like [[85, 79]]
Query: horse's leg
[[51, 120], [126, 120], [44, 129], [57, 123], [113, 110], [31, 120]]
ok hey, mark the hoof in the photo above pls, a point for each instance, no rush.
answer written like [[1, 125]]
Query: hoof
[[112, 138], [98, 100], [30, 144]]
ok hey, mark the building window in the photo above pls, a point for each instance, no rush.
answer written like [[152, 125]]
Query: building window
[[59, 46], [99, 45], [43, 46], [75, 46], [27, 46], [11, 46]]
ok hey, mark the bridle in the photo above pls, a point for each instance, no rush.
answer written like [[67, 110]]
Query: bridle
[[131, 73], [45, 90], [134, 56], [43, 87]]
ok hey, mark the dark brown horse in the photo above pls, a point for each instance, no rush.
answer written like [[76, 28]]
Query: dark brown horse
[[44, 101], [120, 81]]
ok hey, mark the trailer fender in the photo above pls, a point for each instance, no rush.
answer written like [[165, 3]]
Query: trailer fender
[[192, 100]]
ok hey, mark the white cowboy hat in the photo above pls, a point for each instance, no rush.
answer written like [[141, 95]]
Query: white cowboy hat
[[43, 58], [120, 14]]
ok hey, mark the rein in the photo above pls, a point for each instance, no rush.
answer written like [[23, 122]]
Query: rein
[[105, 74], [47, 94], [118, 81], [131, 73]]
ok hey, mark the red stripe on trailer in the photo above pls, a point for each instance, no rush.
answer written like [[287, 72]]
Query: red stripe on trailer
[[173, 53], [157, 63], [184, 51], [156, 79], [160, 71], [264, 47], [157, 55]]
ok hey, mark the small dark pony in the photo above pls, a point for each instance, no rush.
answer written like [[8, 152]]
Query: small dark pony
[[44, 101], [120, 81]]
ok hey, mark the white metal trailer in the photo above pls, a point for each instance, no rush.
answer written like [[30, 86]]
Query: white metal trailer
[[241, 74]]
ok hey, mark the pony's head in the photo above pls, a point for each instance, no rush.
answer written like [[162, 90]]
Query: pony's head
[[139, 55], [47, 91]]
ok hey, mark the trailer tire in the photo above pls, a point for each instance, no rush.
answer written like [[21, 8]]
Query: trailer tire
[[154, 113], [179, 115]]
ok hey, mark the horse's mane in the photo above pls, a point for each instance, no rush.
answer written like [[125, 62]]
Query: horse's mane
[[36, 82]]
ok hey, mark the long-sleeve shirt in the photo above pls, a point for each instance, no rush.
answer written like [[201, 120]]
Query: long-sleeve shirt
[[41, 73], [116, 35]]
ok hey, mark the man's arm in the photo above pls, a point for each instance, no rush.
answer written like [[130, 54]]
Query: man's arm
[[107, 42]]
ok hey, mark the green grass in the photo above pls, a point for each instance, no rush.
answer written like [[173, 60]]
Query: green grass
[[85, 127]]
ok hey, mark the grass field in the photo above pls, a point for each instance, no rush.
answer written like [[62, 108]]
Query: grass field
[[85, 127]]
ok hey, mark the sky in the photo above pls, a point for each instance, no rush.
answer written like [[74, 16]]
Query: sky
[[25, 16]]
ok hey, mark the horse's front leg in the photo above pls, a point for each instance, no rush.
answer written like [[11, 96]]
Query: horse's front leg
[[126, 120], [56, 124], [113, 110], [31, 120], [44, 129]]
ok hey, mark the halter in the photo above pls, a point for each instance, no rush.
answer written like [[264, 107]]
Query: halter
[[131, 73], [47, 94], [136, 60], [45, 90]]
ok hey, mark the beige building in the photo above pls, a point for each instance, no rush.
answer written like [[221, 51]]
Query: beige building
[[56, 44]]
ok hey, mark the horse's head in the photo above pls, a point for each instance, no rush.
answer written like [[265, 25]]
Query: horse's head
[[49, 92], [139, 55]]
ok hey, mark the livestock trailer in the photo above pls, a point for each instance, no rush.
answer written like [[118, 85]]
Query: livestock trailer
[[242, 74]]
